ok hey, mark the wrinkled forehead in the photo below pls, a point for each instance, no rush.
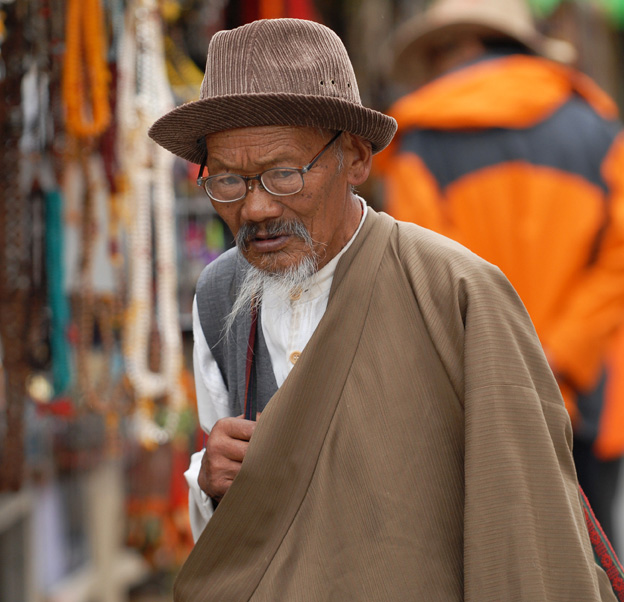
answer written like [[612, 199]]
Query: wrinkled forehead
[[264, 144]]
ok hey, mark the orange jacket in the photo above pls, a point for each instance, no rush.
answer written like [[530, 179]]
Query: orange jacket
[[522, 161]]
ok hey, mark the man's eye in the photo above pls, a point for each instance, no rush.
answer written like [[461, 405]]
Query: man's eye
[[282, 180], [283, 174], [227, 181]]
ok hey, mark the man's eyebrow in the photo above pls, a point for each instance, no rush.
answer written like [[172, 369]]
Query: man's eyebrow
[[281, 159]]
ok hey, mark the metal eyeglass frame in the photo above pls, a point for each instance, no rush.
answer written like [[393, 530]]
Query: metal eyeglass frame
[[201, 180]]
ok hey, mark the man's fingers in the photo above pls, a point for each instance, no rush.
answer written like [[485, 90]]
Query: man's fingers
[[236, 428], [217, 475], [225, 451], [231, 449]]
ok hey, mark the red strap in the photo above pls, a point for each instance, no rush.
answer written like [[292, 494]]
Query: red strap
[[250, 408], [603, 549]]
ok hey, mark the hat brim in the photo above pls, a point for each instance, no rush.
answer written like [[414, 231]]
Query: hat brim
[[418, 36], [182, 131]]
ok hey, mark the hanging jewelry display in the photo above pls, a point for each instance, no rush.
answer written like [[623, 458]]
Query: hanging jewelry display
[[143, 96], [14, 267], [41, 149], [99, 385], [96, 306], [49, 166], [36, 179]]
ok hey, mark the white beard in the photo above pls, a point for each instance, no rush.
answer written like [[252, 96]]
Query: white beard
[[257, 282]]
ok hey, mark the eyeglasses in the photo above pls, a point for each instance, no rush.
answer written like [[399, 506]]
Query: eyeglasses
[[279, 181]]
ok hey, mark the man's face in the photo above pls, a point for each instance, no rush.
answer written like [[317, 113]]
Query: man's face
[[325, 206]]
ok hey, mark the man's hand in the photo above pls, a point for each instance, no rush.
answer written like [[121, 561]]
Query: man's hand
[[225, 451]]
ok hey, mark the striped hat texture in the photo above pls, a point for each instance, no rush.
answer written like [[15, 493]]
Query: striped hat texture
[[273, 72]]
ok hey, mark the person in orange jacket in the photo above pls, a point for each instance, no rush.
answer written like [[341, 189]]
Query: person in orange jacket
[[505, 148]]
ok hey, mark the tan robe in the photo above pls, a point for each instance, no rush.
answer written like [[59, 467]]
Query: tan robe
[[418, 451]]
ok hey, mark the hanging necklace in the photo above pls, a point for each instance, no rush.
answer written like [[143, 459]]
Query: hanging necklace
[[144, 95], [96, 305], [86, 76]]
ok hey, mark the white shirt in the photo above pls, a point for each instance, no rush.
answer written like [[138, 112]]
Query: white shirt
[[287, 325]]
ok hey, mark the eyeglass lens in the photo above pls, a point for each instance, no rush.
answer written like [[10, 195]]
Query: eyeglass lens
[[231, 187]]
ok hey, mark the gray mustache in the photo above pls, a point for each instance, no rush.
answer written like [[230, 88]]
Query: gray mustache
[[250, 230]]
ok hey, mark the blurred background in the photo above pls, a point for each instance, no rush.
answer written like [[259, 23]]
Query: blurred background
[[102, 238]]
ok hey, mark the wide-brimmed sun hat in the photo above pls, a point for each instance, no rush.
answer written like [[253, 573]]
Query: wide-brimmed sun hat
[[444, 19], [273, 72]]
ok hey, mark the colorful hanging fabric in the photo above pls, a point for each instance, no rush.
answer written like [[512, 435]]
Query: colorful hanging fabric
[[272, 9], [303, 9], [57, 300], [295, 9]]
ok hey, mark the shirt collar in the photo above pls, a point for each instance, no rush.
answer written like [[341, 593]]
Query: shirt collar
[[320, 283]]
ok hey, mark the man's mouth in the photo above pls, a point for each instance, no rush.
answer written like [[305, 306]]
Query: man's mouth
[[271, 237], [268, 243]]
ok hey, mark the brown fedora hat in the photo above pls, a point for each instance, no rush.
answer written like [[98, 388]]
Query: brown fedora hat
[[445, 19], [273, 72]]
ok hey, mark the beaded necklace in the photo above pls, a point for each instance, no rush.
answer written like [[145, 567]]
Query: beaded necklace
[[87, 106], [144, 95]]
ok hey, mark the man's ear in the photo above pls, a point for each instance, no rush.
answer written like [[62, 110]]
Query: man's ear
[[358, 157]]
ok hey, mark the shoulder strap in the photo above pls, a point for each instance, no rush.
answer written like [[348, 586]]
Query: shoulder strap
[[603, 549]]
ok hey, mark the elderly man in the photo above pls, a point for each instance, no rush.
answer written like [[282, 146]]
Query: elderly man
[[412, 443]]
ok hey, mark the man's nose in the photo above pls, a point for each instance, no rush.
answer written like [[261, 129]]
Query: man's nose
[[259, 205]]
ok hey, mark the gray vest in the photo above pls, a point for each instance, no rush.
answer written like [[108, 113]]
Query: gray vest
[[216, 291]]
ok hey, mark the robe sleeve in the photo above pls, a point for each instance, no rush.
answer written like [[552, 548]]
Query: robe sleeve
[[525, 537]]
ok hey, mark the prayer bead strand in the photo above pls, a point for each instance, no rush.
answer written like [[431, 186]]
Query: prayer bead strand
[[87, 104], [144, 95]]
